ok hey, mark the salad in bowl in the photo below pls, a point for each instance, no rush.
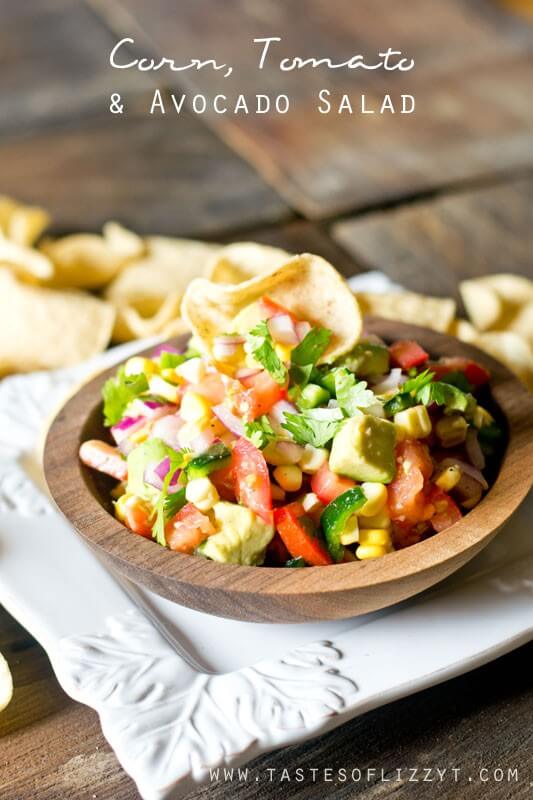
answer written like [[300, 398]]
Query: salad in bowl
[[284, 436]]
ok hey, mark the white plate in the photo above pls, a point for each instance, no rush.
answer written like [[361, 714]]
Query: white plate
[[178, 691]]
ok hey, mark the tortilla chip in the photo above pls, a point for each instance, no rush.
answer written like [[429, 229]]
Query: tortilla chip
[[158, 280], [522, 323], [515, 289], [511, 350], [307, 285], [28, 264], [463, 330], [90, 261], [20, 223], [46, 329], [483, 305], [430, 312], [241, 261]]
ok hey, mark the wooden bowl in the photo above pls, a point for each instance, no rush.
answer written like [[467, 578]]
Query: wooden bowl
[[266, 594]]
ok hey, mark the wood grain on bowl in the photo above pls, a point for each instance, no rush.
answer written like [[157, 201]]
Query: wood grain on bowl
[[285, 595]]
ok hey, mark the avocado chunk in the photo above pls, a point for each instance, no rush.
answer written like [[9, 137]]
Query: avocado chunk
[[367, 359], [364, 449], [153, 451], [241, 536]]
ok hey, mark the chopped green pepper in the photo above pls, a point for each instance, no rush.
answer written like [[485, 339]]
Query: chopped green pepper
[[336, 515], [215, 457], [295, 562], [312, 396], [367, 359]]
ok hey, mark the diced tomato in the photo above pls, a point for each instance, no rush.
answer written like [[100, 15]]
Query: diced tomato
[[261, 393], [327, 485], [269, 308], [475, 374], [211, 387], [446, 510], [224, 481], [137, 516], [187, 529], [406, 497], [294, 528], [413, 453], [276, 552], [252, 480], [407, 354]]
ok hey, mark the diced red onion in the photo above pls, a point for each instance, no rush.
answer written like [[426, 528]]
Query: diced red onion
[[282, 329], [247, 372], [387, 383], [473, 449], [302, 329], [126, 426], [167, 429], [229, 420], [468, 469], [158, 410], [277, 415], [226, 346], [167, 348], [155, 474], [291, 451], [230, 339]]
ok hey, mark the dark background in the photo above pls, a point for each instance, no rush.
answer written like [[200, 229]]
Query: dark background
[[430, 199]]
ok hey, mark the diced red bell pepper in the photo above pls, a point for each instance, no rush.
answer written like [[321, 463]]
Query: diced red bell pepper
[[328, 486], [407, 354], [294, 528]]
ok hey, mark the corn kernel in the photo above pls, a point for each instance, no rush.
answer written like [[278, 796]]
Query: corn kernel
[[367, 551], [313, 458], [202, 493], [283, 351], [194, 408], [192, 370], [120, 507], [379, 537], [188, 432], [449, 478], [138, 364], [278, 494], [289, 477], [451, 430], [140, 436], [412, 423], [170, 375], [379, 520], [482, 418], [376, 499], [163, 389], [278, 456], [350, 533], [311, 503]]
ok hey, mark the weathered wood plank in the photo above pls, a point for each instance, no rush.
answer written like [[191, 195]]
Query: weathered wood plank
[[174, 178], [472, 84], [430, 246]]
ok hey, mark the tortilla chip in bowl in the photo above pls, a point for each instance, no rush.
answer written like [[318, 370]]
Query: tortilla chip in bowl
[[306, 285]]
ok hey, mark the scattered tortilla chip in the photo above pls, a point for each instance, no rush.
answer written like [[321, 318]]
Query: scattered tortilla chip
[[20, 223], [515, 289], [463, 330], [28, 264], [511, 350], [90, 261], [6, 683], [522, 323], [307, 285], [244, 260], [46, 329], [158, 280], [431, 312], [483, 305]]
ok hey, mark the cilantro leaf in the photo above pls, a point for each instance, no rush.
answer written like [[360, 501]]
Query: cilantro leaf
[[260, 432], [118, 392], [311, 347], [406, 397], [444, 394], [261, 347], [169, 504], [352, 395], [317, 426], [418, 382]]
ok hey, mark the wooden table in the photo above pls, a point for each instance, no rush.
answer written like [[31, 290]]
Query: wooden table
[[430, 200]]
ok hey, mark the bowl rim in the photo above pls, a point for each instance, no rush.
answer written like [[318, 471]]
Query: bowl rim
[[106, 533]]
